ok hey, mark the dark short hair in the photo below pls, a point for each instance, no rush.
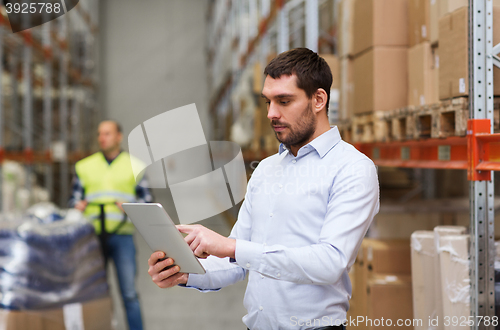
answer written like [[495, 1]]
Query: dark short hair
[[311, 70]]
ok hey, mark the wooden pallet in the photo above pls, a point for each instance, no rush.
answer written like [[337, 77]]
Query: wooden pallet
[[496, 114], [401, 124], [438, 120], [451, 118], [371, 127]]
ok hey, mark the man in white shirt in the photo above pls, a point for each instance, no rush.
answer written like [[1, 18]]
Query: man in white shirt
[[306, 211]]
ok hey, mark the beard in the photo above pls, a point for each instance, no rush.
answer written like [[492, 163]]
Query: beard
[[302, 130]]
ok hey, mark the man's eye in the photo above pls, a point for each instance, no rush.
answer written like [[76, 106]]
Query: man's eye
[[268, 102], [284, 102]]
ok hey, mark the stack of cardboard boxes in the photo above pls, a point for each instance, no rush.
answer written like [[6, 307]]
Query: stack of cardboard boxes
[[454, 56], [438, 59], [381, 284], [398, 53], [373, 42], [423, 54], [421, 285], [90, 315]]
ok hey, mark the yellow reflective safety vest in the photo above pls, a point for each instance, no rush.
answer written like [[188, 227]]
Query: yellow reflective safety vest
[[105, 184]]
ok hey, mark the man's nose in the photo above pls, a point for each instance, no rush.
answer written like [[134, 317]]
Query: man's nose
[[273, 112]]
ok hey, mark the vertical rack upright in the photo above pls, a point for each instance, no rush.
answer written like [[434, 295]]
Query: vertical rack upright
[[482, 233]]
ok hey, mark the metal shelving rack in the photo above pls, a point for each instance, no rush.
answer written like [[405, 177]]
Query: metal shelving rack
[[242, 33], [58, 82], [478, 152]]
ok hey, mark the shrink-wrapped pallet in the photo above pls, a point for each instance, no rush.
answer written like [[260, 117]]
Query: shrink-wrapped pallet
[[439, 232], [423, 264], [455, 282], [49, 264]]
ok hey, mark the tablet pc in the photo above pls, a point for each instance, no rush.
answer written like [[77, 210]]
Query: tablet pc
[[159, 231]]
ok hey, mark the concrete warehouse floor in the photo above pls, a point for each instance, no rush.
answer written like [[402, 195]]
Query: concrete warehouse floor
[[180, 308]]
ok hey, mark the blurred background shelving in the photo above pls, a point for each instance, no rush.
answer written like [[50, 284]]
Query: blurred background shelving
[[49, 103]]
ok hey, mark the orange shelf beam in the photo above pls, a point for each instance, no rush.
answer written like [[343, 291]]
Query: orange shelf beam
[[449, 153], [478, 152]]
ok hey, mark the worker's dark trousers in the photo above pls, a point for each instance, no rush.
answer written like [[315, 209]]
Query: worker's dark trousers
[[121, 250]]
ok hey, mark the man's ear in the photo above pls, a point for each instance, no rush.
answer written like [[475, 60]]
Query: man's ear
[[320, 98]]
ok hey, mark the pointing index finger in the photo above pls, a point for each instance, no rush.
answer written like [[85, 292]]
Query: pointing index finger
[[184, 229]]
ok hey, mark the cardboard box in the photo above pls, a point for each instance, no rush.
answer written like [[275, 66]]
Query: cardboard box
[[454, 59], [258, 78], [346, 28], [434, 15], [353, 310], [401, 224], [419, 21], [449, 6], [454, 56], [379, 23], [389, 298], [359, 300], [455, 282], [423, 263], [333, 63], [435, 73], [421, 88], [93, 315], [438, 9], [346, 102], [376, 257], [11, 320], [390, 256], [381, 79]]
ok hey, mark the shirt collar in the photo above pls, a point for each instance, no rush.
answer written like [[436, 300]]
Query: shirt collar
[[111, 160], [323, 143], [282, 148]]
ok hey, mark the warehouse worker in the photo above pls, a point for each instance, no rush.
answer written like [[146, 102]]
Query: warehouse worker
[[106, 177], [305, 213]]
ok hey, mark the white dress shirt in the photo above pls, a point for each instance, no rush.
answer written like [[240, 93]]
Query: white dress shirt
[[297, 235]]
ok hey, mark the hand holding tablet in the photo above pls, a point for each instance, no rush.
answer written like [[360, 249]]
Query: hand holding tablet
[[163, 272], [161, 234]]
